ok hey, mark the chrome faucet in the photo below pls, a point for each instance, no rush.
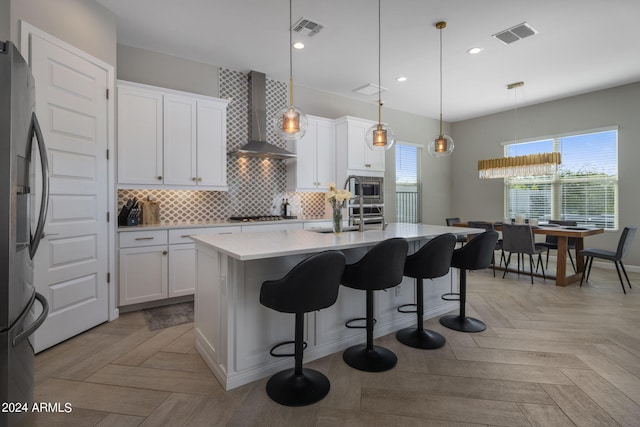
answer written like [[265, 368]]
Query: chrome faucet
[[360, 200]]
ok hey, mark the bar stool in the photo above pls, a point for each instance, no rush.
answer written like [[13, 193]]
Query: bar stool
[[379, 269], [429, 262], [475, 255], [311, 285]]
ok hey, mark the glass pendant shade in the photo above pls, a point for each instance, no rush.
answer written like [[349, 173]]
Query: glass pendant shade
[[290, 123], [441, 146], [379, 137]]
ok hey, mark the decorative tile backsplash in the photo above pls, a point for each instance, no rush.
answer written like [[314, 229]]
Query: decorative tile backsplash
[[256, 186]]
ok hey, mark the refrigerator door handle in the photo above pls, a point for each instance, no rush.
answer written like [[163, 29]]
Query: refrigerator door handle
[[29, 330], [37, 236]]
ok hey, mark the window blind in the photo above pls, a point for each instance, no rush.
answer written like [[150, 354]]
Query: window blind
[[584, 189]]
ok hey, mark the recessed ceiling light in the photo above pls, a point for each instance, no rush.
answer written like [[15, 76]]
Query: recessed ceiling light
[[298, 45], [401, 79], [474, 50]]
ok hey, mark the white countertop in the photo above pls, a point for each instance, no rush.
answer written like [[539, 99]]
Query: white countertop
[[215, 223], [270, 244]]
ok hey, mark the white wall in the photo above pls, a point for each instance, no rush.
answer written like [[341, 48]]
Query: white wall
[[82, 23], [480, 138], [5, 20], [143, 66]]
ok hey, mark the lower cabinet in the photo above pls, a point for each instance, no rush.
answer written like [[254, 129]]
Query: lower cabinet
[[159, 264], [143, 274]]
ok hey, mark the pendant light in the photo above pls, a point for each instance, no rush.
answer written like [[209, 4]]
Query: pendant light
[[442, 145], [290, 122], [379, 136]]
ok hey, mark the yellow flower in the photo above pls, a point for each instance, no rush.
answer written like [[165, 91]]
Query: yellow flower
[[336, 196]]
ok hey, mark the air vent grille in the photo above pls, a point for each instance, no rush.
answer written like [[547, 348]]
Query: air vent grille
[[516, 33], [307, 27]]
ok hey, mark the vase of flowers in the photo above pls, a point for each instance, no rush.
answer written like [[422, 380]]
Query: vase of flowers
[[337, 199]]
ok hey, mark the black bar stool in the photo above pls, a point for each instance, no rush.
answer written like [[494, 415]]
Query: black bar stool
[[311, 285], [475, 255], [380, 268], [429, 262]]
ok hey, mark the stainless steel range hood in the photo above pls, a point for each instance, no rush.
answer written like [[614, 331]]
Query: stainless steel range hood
[[258, 145]]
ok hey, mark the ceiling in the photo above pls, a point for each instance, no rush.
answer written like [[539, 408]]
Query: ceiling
[[581, 46]]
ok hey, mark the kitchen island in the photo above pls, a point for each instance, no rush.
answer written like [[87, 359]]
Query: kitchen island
[[234, 332]]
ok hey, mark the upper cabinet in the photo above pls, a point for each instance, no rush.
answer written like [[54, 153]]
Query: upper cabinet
[[140, 153], [315, 164], [170, 138], [353, 154]]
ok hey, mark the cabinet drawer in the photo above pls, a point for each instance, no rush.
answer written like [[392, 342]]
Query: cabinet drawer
[[131, 239], [182, 235]]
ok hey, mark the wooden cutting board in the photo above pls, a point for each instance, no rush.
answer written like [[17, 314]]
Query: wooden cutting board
[[150, 213]]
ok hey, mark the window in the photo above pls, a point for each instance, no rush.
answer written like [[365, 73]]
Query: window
[[585, 187], [408, 182]]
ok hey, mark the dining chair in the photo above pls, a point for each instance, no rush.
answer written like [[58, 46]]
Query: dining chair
[[453, 221], [624, 244], [551, 242], [519, 239], [487, 226]]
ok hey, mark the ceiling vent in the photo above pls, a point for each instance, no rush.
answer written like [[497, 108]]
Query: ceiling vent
[[516, 33], [307, 27], [369, 89]]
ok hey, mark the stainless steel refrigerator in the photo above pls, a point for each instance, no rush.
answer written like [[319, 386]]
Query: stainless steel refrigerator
[[24, 193]]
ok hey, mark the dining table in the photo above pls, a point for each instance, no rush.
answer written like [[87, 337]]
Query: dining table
[[563, 233]]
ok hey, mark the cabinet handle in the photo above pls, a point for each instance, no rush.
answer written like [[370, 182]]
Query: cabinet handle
[[164, 252], [367, 165], [160, 177], [194, 179], [145, 238], [199, 179], [184, 236]]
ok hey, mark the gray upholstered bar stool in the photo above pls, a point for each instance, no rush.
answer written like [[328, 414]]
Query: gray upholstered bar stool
[[311, 285], [475, 255], [432, 260], [381, 268]]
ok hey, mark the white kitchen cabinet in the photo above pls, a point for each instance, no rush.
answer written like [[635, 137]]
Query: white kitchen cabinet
[[182, 270], [143, 274], [180, 143], [140, 144], [182, 257], [353, 156], [315, 164], [188, 133], [159, 264]]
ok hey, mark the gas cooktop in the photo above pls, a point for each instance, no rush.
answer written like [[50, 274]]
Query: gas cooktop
[[255, 218]]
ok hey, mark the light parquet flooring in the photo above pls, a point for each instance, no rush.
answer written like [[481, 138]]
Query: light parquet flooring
[[550, 357]]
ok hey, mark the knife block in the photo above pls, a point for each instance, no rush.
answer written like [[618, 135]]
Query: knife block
[[150, 213]]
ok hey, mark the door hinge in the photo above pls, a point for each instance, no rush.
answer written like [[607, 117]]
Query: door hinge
[[107, 93], [108, 277], [107, 154], [108, 216]]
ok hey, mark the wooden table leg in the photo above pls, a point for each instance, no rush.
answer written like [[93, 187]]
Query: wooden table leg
[[561, 266]]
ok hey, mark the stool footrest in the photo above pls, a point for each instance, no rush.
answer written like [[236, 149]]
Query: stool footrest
[[275, 347], [401, 308], [349, 323], [451, 296]]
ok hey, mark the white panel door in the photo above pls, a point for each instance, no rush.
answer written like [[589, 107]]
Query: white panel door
[[72, 261]]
